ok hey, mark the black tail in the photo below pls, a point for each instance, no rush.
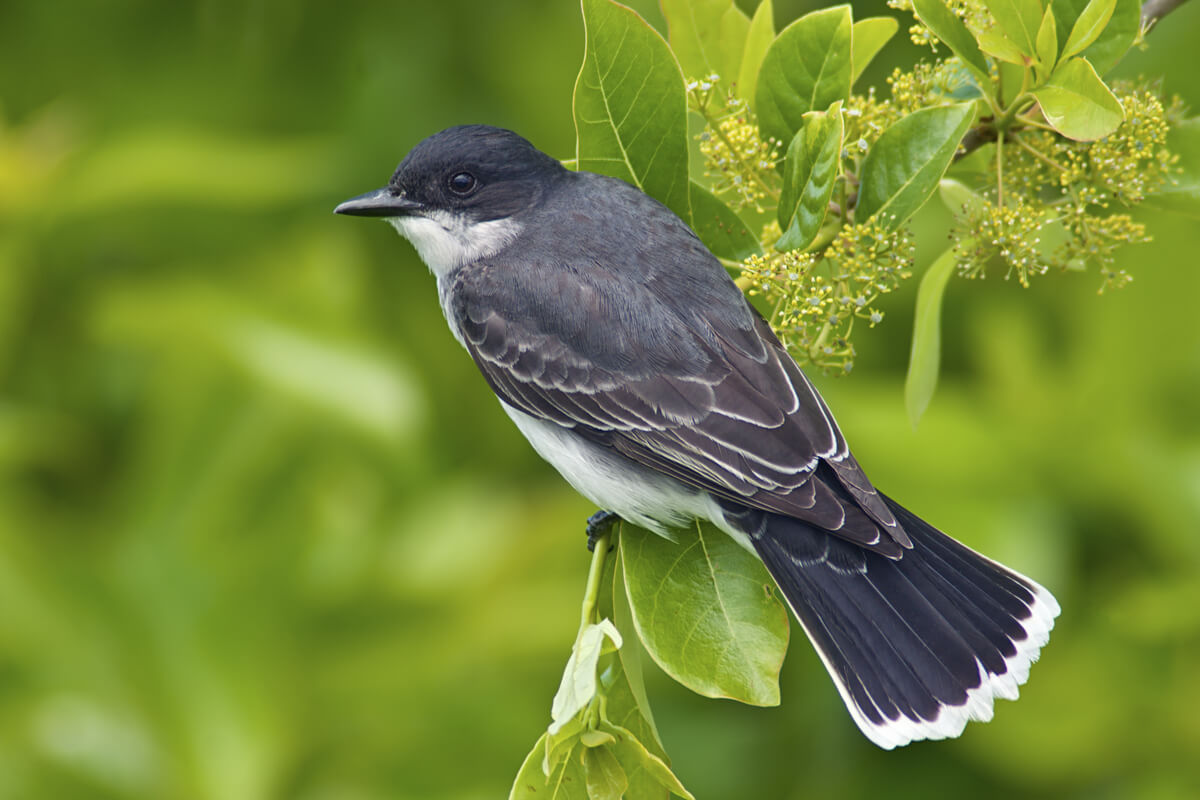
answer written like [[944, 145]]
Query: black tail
[[917, 646]]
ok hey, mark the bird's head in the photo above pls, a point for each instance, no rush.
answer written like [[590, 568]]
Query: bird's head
[[460, 194]]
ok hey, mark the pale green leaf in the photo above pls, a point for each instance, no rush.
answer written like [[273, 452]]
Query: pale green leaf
[[1117, 36], [810, 173], [1047, 43], [867, 38], [1077, 104], [630, 106], [707, 36], [807, 68], [1019, 20], [905, 164], [605, 778], [565, 782], [950, 29], [997, 45], [926, 356], [578, 685], [720, 228], [630, 751], [960, 199], [758, 40], [704, 610], [1088, 27]]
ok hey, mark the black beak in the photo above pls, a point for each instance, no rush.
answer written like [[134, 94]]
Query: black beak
[[386, 202]]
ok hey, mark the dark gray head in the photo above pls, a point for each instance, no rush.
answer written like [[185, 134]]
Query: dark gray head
[[455, 196], [459, 194]]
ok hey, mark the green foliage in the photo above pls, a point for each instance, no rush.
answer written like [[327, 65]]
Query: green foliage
[[265, 534], [736, 630], [630, 112]]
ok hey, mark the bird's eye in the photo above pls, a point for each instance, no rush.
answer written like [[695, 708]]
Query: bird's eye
[[462, 183]]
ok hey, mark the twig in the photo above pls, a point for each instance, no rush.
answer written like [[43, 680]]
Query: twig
[[1154, 10]]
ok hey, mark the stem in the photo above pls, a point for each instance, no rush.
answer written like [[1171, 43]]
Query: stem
[[599, 556], [1040, 156], [1000, 168]]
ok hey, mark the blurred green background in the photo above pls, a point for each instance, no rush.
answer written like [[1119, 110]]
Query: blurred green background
[[265, 533]]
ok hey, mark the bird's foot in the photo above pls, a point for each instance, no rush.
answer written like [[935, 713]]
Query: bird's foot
[[598, 525]]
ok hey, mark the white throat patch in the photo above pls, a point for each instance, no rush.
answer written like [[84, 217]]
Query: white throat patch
[[446, 241]]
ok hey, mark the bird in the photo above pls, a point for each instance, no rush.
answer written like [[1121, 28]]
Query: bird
[[622, 349]]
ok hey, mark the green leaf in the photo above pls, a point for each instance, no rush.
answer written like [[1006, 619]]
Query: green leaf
[[1088, 26], [1047, 43], [810, 171], [634, 711], [704, 610], [565, 782], [1077, 104], [997, 45], [707, 36], [758, 40], [630, 751], [630, 106], [605, 778], [1019, 20], [720, 228], [578, 685], [807, 68], [960, 199], [1116, 38], [950, 29], [867, 38], [926, 356], [903, 167]]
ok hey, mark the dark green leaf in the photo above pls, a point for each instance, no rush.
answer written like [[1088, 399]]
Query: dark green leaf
[[1088, 26], [707, 36], [807, 68], [926, 353], [1019, 20], [867, 37], [1077, 104], [904, 166], [810, 171], [630, 106], [704, 609], [720, 228], [758, 40], [951, 30]]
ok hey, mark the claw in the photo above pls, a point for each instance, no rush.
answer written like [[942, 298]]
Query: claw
[[599, 524]]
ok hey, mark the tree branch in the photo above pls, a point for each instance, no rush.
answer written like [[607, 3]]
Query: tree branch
[[1154, 10]]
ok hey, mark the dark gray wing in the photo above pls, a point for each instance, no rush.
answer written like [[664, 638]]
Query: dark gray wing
[[696, 387], [610, 317]]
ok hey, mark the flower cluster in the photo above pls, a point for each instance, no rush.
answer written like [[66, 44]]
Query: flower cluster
[[1011, 233], [736, 156], [815, 298], [1068, 194]]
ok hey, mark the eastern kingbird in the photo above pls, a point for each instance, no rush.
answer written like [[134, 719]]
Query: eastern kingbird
[[621, 348]]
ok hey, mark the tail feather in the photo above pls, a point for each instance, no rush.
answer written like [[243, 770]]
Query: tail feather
[[916, 646]]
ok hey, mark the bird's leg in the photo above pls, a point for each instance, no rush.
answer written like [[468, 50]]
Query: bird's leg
[[599, 524]]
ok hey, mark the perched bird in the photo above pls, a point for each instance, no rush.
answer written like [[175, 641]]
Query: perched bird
[[630, 360]]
